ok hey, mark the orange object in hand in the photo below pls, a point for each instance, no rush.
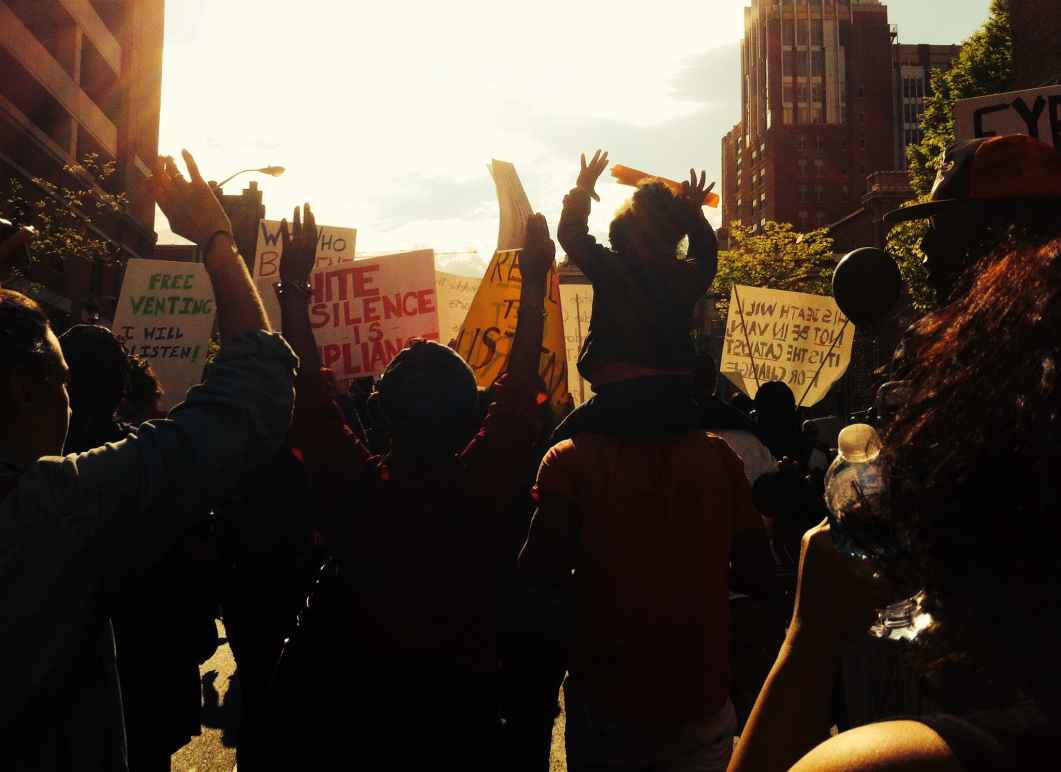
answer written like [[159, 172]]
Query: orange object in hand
[[624, 175]]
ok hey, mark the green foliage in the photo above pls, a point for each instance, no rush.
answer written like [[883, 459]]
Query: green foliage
[[62, 215], [777, 257], [984, 66], [904, 244]]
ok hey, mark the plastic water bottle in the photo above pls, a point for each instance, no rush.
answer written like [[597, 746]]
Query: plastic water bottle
[[857, 494]]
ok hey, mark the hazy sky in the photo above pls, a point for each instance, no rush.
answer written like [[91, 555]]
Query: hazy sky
[[387, 113]]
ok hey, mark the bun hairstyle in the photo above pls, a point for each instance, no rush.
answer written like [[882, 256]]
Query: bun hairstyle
[[650, 224]]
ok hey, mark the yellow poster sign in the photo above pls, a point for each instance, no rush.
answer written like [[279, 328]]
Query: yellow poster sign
[[485, 338], [802, 340]]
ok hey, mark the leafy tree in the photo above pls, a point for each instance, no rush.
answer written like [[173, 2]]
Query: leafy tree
[[777, 257], [904, 244], [63, 214], [984, 66]]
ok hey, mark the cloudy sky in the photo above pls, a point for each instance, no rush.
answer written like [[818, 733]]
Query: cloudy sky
[[385, 114]]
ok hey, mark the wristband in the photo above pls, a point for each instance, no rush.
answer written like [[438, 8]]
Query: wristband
[[294, 287]]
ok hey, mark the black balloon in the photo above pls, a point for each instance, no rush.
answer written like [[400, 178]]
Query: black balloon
[[866, 284]]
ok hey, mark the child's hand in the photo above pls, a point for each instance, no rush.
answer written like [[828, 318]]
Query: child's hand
[[694, 193], [588, 176]]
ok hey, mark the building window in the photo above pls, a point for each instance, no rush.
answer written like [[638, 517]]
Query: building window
[[788, 62], [762, 200], [787, 93], [801, 64], [845, 190], [816, 32], [802, 32], [817, 91], [802, 167], [802, 92], [862, 143], [803, 194], [819, 143], [843, 143], [821, 218], [819, 193], [788, 33], [788, 116], [819, 167], [801, 143], [804, 219], [861, 117], [817, 63], [755, 179], [861, 91]]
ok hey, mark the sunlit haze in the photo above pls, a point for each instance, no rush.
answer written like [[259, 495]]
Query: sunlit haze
[[386, 115]]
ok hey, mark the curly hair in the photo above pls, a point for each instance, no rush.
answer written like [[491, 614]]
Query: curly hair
[[976, 455], [650, 224]]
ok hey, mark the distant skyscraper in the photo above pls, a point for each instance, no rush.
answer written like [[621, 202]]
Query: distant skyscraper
[[818, 108], [913, 82]]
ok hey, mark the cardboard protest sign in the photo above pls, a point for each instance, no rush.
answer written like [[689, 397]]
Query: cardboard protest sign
[[455, 296], [802, 340], [485, 338], [1035, 112], [166, 314], [577, 302], [363, 312]]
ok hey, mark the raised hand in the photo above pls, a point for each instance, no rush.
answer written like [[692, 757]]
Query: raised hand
[[300, 247], [591, 172], [538, 252], [694, 192], [191, 207]]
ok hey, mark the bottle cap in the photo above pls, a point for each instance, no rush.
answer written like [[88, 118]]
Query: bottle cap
[[859, 443]]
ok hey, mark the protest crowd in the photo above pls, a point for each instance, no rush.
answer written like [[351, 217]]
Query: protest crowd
[[411, 575]]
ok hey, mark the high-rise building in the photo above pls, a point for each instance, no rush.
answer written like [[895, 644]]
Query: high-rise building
[[913, 67], [817, 111], [84, 77]]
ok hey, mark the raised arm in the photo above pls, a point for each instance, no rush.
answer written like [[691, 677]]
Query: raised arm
[[501, 451], [535, 260], [703, 244], [331, 451], [195, 213], [573, 231]]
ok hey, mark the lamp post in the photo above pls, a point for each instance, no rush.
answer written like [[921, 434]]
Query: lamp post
[[272, 171], [245, 210]]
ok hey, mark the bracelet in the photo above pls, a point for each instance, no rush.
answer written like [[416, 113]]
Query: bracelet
[[299, 288], [214, 235]]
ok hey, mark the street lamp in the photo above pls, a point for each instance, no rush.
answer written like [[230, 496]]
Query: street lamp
[[272, 171]]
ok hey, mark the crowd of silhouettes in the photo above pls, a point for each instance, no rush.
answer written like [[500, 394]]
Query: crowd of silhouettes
[[413, 570]]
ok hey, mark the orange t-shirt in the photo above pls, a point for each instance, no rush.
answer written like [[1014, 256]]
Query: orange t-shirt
[[654, 523]]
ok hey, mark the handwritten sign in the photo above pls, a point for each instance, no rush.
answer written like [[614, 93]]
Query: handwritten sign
[[485, 338], [799, 339], [455, 296], [165, 314], [1035, 112], [577, 303], [363, 312]]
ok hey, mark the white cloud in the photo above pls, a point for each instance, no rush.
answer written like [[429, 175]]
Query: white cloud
[[362, 104]]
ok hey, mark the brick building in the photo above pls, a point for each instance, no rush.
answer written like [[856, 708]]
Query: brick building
[[81, 77], [912, 70], [817, 111], [1036, 33]]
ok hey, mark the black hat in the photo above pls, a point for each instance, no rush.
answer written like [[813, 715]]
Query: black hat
[[1014, 166]]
